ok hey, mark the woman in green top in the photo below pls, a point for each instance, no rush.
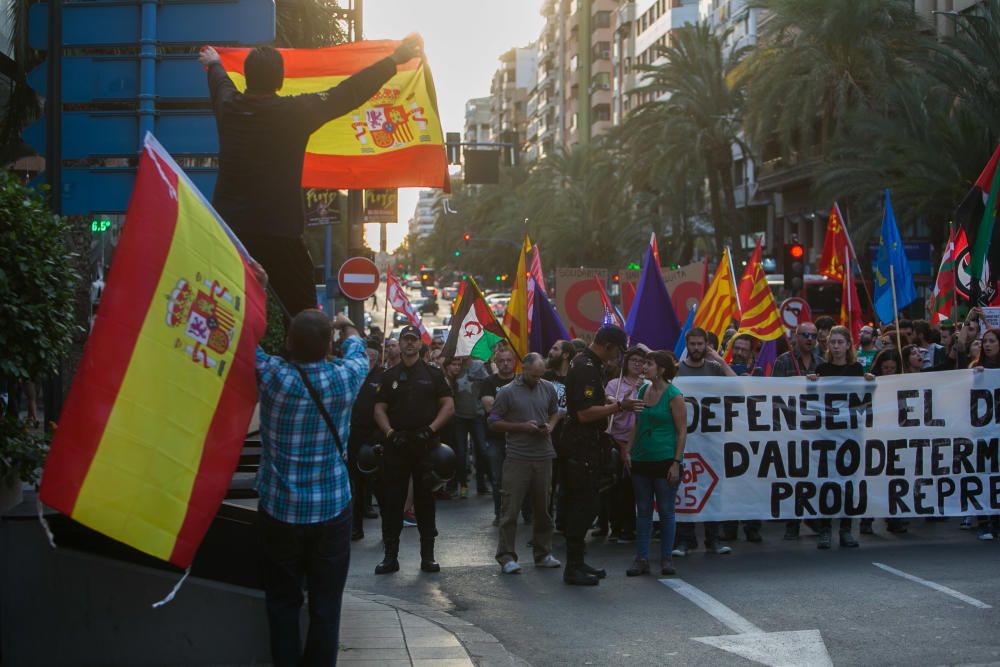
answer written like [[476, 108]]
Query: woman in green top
[[655, 454]]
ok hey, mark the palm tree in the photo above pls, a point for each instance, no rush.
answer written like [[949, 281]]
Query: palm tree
[[697, 114], [818, 61]]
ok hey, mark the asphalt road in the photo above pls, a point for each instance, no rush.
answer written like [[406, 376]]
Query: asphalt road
[[858, 613]]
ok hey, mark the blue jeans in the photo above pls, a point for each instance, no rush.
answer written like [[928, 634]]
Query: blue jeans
[[645, 488], [466, 429], [318, 555]]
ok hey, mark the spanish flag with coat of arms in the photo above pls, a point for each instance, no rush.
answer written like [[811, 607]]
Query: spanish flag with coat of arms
[[393, 141], [154, 423]]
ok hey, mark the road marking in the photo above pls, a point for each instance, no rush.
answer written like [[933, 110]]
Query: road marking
[[794, 648], [938, 587], [713, 607]]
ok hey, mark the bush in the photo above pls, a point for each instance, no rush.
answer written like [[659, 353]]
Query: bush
[[37, 281], [37, 313]]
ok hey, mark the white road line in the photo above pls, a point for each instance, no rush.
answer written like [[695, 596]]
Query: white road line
[[938, 587], [719, 611]]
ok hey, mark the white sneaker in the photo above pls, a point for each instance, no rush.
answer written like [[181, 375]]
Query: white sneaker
[[511, 567], [721, 550], [549, 561], [680, 551]]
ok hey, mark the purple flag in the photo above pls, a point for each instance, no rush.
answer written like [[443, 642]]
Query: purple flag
[[652, 320], [766, 355], [546, 327]]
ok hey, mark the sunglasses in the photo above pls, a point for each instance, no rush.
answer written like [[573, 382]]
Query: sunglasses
[[808, 335]]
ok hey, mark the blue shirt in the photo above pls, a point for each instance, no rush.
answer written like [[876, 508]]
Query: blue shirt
[[302, 478]]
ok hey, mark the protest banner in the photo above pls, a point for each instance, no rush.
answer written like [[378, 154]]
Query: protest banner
[[793, 448], [578, 300]]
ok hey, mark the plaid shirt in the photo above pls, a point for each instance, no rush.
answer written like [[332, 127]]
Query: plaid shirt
[[302, 478]]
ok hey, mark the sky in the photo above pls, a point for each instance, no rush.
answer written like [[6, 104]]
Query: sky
[[463, 40]]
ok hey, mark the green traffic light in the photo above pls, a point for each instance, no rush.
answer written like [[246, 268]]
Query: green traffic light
[[457, 253], [498, 278]]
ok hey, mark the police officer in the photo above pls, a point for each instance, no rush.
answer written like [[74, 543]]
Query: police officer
[[412, 404], [364, 432], [588, 411]]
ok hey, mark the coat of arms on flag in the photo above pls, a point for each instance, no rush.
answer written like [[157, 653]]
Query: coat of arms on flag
[[207, 319]]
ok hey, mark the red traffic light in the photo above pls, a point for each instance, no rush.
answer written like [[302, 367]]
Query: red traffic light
[[466, 237], [796, 251], [615, 277]]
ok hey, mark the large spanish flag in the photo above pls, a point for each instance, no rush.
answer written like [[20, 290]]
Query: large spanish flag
[[155, 420], [393, 141]]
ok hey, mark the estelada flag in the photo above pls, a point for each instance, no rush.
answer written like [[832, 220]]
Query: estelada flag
[[393, 141], [154, 423]]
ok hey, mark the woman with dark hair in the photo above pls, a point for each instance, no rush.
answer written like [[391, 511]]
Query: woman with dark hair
[[887, 362], [988, 357], [913, 359], [655, 454], [989, 350], [840, 362]]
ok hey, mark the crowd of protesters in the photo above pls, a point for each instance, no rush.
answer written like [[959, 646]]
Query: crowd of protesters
[[492, 443]]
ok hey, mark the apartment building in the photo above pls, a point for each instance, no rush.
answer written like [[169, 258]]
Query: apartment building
[[425, 216], [478, 121], [512, 84]]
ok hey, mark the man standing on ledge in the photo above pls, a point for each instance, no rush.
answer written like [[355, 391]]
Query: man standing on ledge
[[262, 145]]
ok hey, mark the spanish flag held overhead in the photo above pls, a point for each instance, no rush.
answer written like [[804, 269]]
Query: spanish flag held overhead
[[155, 420], [393, 141]]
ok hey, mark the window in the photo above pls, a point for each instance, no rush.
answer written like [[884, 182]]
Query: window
[[602, 20]]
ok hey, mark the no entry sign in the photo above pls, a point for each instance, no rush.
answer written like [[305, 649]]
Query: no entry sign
[[793, 311], [358, 278]]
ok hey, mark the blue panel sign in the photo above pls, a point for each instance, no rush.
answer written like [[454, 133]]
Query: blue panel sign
[[85, 190], [113, 133], [110, 78], [116, 23]]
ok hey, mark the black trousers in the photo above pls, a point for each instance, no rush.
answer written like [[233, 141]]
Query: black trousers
[[687, 535], [361, 483], [289, 269], [582, 506], [317, 555], [621, 499], [400, 465]]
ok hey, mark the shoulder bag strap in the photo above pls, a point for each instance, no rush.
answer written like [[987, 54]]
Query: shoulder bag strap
[[322, 409]]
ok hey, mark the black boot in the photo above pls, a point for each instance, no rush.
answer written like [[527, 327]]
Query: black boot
[[427, 562], [390, 563], [598, 572], [575, 575]]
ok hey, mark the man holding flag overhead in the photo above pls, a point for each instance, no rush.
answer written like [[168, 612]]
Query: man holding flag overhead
[[262, 147]]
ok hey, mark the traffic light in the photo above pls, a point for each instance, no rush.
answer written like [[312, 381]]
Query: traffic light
[[466, 237], [427, 277], [795, 267], [458, 253]]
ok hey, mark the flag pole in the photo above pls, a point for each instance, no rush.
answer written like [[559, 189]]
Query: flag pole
[[385, 321], [850, 244], [895, 314], [848, 276], [954, 272], [732, 278]]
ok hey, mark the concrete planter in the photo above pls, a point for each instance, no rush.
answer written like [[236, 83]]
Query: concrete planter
[[11, 492]]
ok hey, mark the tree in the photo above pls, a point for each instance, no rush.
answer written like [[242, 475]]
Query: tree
[[697, 113]]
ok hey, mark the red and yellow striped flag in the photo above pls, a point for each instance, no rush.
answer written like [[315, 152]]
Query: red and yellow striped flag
[[759, 316], [155, 420], [515, 318], [393, 141], [718, 308]]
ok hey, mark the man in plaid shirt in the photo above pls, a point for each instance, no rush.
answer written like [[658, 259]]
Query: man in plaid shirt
[[305, 496]]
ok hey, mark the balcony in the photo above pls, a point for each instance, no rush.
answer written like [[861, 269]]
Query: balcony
[[625, 14]]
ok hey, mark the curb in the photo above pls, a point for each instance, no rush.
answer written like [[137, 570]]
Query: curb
[[484, 649]]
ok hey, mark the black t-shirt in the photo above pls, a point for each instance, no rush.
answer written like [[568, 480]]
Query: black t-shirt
[[827, 369], [585, 386], [262, 146], [411, 394], [363, 412], [489, 387]]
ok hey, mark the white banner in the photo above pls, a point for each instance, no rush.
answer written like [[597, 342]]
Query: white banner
[[899, 446]]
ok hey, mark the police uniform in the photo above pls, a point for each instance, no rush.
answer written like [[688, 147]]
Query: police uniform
[[364, 431], [581, 456], [412, 395]]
